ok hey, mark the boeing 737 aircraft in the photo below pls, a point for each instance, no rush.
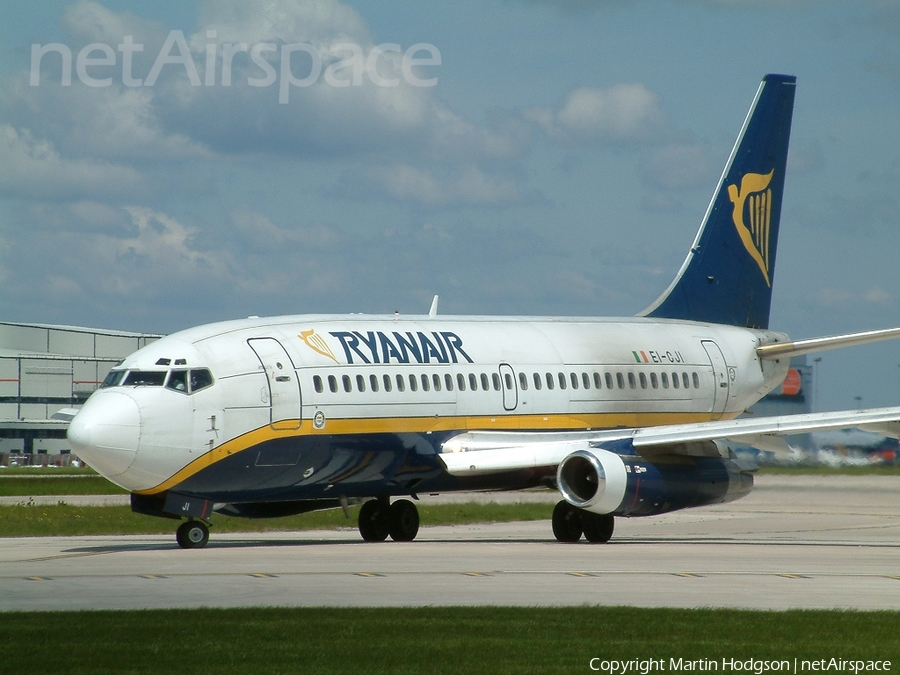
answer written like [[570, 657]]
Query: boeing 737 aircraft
[[624, 416]]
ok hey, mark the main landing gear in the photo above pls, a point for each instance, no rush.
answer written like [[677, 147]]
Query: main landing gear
[[378, 518], [569, 523], [192, 534]]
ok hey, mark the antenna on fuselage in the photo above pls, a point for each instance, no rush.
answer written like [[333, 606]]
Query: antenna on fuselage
[[433, 311]]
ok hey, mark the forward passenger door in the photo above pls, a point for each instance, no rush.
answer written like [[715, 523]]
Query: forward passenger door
[[283, 383]]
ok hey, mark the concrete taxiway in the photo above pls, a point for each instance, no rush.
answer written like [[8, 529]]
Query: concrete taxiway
[[796, 541]]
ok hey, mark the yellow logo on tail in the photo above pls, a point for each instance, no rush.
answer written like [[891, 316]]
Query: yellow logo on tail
[[317, 344], [757, 196]]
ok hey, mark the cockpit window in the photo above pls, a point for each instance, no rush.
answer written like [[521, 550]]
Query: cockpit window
[[200, 379], [178, 380], [145, 378], [112, 379]]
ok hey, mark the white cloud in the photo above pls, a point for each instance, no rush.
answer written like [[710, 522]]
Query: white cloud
[[258, 233], [110, 122], [470, 187], [318, 22], [619, 114], [93, 22], [676, 167], [33, 168], [845, 298]]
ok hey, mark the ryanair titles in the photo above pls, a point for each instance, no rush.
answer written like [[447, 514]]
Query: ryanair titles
[[376, 346]]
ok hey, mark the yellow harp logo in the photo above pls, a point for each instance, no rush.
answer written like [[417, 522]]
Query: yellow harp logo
[[754, 199], [317, 344]]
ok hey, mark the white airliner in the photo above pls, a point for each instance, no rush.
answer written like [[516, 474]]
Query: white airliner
[[624, 416]]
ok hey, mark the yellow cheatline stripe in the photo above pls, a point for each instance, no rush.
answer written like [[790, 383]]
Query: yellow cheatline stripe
[[385, 425]]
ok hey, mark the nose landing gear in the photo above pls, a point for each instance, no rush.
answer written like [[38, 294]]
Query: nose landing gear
[[192, 534]]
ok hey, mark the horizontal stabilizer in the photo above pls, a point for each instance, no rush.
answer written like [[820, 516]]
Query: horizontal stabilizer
[[785, 350]]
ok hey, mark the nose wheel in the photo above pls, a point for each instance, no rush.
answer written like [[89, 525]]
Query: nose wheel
[[192, 534]]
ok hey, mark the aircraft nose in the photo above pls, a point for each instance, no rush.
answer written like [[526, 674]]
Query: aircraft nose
[[106, 432]]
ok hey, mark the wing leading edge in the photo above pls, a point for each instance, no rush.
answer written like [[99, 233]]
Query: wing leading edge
[[477, 452]]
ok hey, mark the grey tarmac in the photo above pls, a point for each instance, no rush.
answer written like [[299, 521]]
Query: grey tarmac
[[795, 542]]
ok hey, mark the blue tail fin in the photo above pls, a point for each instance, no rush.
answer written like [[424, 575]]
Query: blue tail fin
[[727, 275]]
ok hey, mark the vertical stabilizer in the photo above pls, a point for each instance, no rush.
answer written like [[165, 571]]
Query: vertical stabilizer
[[728, 273]]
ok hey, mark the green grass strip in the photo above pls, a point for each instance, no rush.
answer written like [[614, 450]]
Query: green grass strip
[[33, 482], [38, 486], [66, 520], [891, 470], [491, 640]]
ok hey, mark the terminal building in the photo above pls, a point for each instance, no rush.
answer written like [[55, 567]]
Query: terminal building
[[45, 370]]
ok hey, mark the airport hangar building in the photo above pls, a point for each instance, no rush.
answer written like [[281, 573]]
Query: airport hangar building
[[46, 369]]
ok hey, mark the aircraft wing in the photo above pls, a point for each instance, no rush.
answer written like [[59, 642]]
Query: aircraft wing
[[477, 452]]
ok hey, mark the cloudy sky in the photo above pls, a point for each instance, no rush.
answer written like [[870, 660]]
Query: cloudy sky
[[514, 156]]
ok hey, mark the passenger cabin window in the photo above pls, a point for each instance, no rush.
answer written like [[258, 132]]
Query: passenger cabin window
[[696, 378], [373, 382], [586, 380], [317, 384], [686, 380], [597, 381], [654, 380], [426, 385], [574, 378], [509, 381], [413, 385], [495, 379], [332, 384], [562, 380], [665, 380], [643, 380], [348, 386], [484, 382], [448, 381], [461, 381], [436, 380], [360, 383], [675, 380], [537, 381], [549, 380], [473, 382], [523, 381], [387, 382], [401, 383], [620, 381]]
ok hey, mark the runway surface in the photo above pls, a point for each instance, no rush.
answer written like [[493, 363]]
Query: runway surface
[[796, 541]]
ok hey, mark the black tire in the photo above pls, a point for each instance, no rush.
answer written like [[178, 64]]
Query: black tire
[[404, 520], [566, 523], [374, 521], [192, 534], [598, 527]]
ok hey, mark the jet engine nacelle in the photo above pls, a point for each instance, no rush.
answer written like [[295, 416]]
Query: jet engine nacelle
[[601, 481]]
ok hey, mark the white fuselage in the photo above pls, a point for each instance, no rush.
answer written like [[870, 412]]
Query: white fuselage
[[357, 375]]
